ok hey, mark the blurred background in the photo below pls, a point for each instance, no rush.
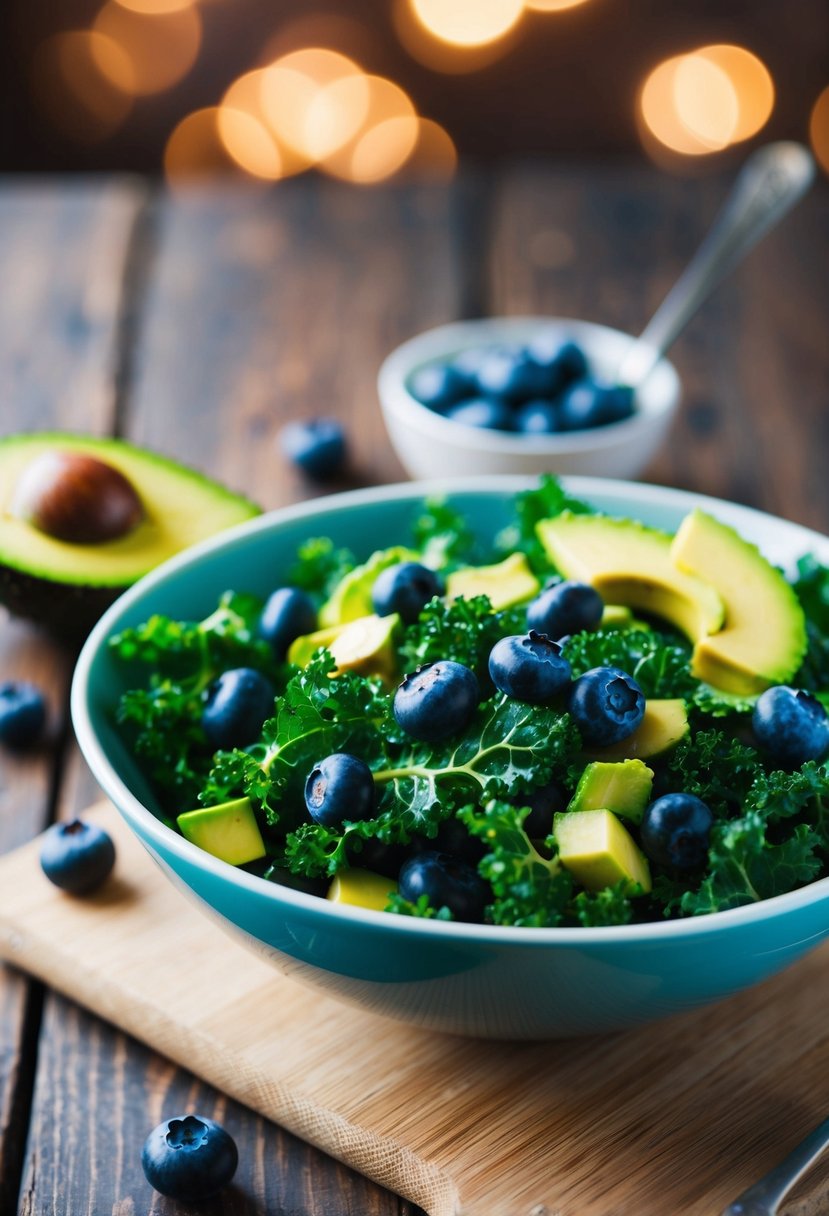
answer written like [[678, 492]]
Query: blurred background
[[366, 90]]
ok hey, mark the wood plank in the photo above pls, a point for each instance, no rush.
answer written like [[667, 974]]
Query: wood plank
[[606, 245], [62, 254], [674, 1117], [275, 305]]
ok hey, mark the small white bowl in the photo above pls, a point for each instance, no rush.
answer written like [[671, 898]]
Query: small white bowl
[[430, 445]]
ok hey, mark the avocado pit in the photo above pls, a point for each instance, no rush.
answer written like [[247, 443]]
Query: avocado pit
[[77, 498]]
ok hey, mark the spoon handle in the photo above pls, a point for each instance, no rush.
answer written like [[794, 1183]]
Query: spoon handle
[[770, 183], [765, 1197]]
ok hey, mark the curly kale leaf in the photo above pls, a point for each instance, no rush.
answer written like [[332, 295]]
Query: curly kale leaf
[[509, 748], [548, 499], [464, 630], [716, 703], [420, 908], [660, 664], [320, 566], [779, 796], [812, 589], [442, 535], [717, 768], [610, 906], [314, 849], [744, 867], [528, 889]]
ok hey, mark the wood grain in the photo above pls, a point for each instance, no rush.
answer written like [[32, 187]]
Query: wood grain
[[677, 1117]]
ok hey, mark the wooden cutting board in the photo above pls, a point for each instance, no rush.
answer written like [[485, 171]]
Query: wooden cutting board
[[670, 1120]]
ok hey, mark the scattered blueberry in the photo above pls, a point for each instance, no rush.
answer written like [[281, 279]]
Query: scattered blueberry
[[339, 787], [607, 705], [565, 608], [317, 446], [22, 714], [438, 385], [586, 404], [447, 882], [675, 831], [538, 418], [528, 667], [189, 1158], [559, 363], [77, 856], [235, 706], [405, 589], [487, 413], [791, 726], [288, 614], [544, 803], [511, 375], [436, 701]]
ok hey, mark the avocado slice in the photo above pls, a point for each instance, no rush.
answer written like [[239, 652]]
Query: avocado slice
[[623, 787], [366, 646], [664, 724], [361, 889], [632, 565], [599, 851], [617, 616], [66, 585], [763, 638], [229, 831], [351, 598], [507, 583]]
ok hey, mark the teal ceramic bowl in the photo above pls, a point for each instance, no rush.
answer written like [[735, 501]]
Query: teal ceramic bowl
[[466, 979]]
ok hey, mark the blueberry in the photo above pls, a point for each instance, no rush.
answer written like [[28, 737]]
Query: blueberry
[[675, 831], [76, 856], [791, 726], [538, 418], [565, 608], [484, 412], [189, 1158], [22, 714], [436, 701], [607, 705], [528, 667], [511, 375], [544, 803], [559, 362], [288, 614], [339, 787], [235, 706], [466, 366], [437, 386], [317, 446], [447, 882], [587, 403], [405, 589]]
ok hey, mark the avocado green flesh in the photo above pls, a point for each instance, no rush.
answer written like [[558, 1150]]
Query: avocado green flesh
[[664, 724], [763, 638], [229, 831], [599, 851], [623, 787], [351, 598], [507, 583], [361, 889]]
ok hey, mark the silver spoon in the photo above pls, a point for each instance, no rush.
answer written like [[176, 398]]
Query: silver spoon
[[770, 183], [765, 1197]]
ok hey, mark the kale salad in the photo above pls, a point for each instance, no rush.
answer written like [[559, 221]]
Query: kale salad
[[582, 726]]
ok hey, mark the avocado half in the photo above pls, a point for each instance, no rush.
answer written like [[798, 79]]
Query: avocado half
[[66, 586]]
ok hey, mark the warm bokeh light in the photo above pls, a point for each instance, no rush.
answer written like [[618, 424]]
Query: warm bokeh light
[[155, 7], [553, 6], [249, 142], [245, 96], [751, 81], [467, 23], [819, 129], [195, 150], [161, 47], [290, 93], [447, 57], [78, 98], [373, 154], [435, 156], [706, 100], [336, 114]]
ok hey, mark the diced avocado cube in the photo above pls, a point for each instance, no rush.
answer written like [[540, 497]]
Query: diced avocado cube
[[351, 598], [599, 851], [624, 788], [303, 648], [366, 646], [664, 724], [361, 889], [229, 831], [507, 583]]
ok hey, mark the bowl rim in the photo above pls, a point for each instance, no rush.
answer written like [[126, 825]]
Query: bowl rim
[[146, 823], [398, 402]]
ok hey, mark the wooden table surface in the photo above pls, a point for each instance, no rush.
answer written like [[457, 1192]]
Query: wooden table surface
[[199, 324]]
